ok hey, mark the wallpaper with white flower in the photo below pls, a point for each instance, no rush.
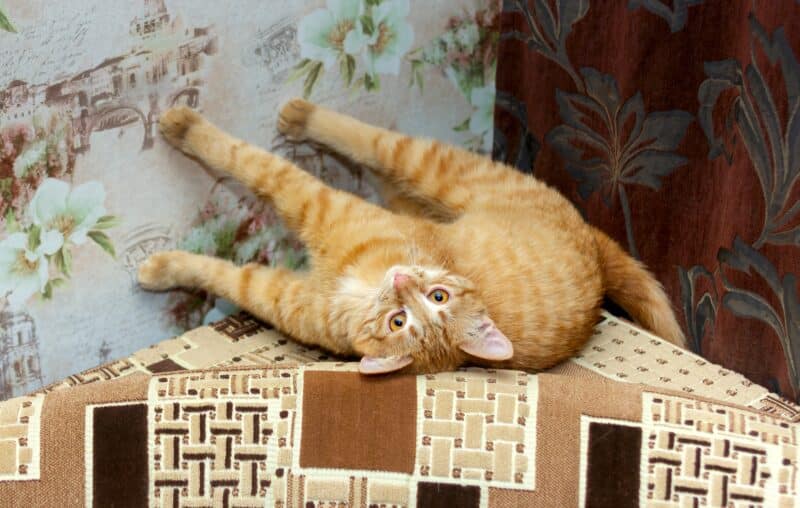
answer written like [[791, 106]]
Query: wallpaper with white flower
[[88, 188]]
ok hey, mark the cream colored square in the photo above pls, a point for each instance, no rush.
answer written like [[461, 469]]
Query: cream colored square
[[327, 489], [8, 458]]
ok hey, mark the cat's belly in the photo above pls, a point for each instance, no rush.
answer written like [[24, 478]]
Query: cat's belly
[[543, 289]]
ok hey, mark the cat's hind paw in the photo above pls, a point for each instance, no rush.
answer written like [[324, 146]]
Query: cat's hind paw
[[158, 272], [175, 123], [293, 119]]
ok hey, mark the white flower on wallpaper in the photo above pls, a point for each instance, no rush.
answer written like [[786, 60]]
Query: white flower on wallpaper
[[36, 257], [323, 33], [466, 53], [72, 213], [376, 32], [28, 159], [370, 38], [383, 39], [482, 119], [24, 267]]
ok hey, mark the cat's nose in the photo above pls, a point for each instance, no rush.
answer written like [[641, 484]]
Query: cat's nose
[[400, 281]]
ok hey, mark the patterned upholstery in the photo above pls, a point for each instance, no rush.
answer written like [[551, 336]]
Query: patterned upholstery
[[234, 414]]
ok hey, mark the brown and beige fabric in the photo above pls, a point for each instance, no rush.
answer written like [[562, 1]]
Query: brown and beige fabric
[[234, 414]]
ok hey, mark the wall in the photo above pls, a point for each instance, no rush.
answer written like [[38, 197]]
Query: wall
[[88, 189]]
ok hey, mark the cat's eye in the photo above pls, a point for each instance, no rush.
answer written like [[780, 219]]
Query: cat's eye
[[438, 296], [397, 321]]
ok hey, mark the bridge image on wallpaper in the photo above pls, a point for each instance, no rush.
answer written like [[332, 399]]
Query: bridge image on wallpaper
[[160, 71]]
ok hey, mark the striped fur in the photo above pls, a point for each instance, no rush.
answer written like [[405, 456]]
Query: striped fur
[[503, 245]]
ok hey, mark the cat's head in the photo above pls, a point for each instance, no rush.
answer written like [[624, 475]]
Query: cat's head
[[430, 319]]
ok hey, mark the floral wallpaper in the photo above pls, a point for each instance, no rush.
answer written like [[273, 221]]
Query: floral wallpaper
[[88, 189], [674, 127]]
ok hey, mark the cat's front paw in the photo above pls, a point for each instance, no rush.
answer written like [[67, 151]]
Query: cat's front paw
[[175, 123], [159, 271], [293, 119]]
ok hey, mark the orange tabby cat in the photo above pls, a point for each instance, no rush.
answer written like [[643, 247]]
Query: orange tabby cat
[[508, 276]]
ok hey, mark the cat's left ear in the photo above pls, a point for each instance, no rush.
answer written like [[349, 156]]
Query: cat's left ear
[[488, 342], [375, 365]]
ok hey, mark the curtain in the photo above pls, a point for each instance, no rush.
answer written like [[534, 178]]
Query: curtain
[[675, 127]]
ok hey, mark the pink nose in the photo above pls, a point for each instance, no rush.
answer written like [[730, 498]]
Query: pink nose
[[401, 280]]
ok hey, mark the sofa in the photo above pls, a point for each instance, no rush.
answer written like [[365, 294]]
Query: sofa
[[235, 414]]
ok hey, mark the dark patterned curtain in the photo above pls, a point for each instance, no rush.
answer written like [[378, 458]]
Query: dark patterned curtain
[[675, 127]]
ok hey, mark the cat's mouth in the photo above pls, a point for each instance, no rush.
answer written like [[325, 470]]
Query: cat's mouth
[[371, 365]]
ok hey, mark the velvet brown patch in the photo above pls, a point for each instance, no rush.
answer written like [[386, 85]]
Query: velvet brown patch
[[355, 422], [445, 495], [165, 365], [119, 456], [612, 472]]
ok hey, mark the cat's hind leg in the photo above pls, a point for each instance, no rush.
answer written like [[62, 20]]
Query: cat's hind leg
[[445, 178]]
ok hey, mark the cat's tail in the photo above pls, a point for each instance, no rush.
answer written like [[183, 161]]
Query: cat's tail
[[628, 283]]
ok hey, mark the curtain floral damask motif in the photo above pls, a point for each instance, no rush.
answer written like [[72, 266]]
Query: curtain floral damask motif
[[675, 126]]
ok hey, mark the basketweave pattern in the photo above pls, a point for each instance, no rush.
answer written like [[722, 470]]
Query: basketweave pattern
[[220, 435], [478, 427]]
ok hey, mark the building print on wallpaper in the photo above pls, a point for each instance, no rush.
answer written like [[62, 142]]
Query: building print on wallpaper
[[275, 48], [159, 71], [141, 242], [20, 371]]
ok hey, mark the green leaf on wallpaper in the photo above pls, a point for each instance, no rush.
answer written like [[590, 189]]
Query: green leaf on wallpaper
[[347, 67], [12, 226], [302, 63], [416, 74], [5, 24], [103, 241], [63, 261], [108, 222], [58, 282], [34, 237], [224, 239], [463, 126], [298, 70], [48, 291], [367, 24], [374, 2], [311, 79], [371, 82]]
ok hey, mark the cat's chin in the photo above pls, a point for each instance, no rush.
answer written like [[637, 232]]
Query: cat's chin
[[371, 365]]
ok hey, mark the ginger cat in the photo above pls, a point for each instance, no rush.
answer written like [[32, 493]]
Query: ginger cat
[[509, 276]]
